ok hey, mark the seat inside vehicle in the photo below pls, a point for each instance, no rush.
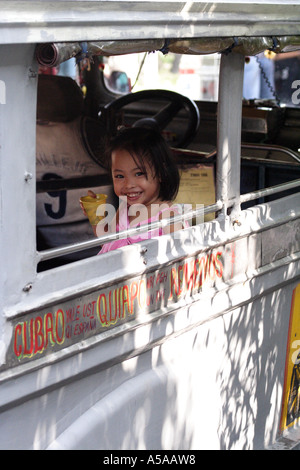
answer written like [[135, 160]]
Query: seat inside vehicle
[[69, 161]]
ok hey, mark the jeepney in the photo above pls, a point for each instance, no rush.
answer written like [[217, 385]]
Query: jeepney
[[185, 342]]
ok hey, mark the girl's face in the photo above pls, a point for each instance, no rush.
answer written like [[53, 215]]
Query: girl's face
[[129, 180]]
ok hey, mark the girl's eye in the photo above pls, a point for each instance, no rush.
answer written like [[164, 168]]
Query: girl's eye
[[139, 173], [118, 176]]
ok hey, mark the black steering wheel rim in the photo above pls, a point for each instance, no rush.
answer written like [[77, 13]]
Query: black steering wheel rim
[[162, 118]]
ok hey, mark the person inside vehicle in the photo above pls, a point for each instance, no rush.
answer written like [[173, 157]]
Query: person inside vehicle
[[146, 181]]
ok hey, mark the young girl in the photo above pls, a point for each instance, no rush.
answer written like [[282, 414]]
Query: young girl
[[146, 180]]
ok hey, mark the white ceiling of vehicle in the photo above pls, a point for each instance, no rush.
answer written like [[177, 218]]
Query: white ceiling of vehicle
[[109, 20]]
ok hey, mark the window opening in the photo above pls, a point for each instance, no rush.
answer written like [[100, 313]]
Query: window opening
[[195, 76], [178, 73]]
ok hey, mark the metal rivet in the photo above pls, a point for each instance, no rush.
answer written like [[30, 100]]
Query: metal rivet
[[143, 252], [28, 176], [32, 73], [28, 287], [236, 222]]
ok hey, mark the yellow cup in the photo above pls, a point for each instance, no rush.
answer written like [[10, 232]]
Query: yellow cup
[[91, 205]]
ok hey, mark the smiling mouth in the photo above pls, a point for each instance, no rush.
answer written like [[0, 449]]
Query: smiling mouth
[[133, 195]]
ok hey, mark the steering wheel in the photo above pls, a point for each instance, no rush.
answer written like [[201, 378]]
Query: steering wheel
[[170, 104]]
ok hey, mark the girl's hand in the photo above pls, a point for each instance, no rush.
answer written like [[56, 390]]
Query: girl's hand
[[91, 194]]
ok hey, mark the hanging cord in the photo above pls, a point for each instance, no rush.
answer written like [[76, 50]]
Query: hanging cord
[[139, 71], [281, 120], [268, 83]]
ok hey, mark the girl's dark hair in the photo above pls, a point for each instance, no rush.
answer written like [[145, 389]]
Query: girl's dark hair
[[147, 145]]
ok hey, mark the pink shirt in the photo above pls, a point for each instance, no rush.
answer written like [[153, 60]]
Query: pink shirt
[[124, 224]]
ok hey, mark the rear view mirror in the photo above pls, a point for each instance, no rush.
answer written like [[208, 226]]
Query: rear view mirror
[[119, 82]]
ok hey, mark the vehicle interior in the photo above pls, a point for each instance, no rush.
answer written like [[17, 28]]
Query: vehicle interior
[[78, 111]]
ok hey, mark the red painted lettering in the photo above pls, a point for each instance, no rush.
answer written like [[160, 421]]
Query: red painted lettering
[[125, 297], [133, 295], [38, 333], [173, 283], [49, 329], [202, 270], [102, 312], [179, 279], [28, 351], [18, 333], [219, 265], [189, 276], [112, 311], [60, 318]]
